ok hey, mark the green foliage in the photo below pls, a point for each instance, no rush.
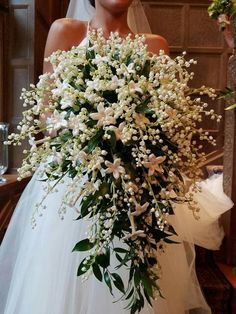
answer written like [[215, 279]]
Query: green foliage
[[95, 140], [97, 271], [218, 7], [84, 245]]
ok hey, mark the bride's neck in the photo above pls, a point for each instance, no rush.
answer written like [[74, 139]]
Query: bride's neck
[[110, 22]]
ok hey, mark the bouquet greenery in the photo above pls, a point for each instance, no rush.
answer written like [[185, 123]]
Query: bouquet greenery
[[127, 121], [221, 10]]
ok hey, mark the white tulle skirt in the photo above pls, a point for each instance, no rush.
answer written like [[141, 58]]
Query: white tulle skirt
[[38, 269]]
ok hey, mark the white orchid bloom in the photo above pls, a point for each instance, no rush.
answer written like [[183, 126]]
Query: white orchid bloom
[[115, 168], [57, 120], [154, 164], [139, 209], [119, 131], [134, 87], [75, 124], [141, 120], [104, 116], [134, 233]]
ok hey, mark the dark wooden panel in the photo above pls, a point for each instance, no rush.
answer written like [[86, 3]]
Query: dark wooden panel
[[4, 11], [46, 13], [20, 65], [187, 27], [9, 195]]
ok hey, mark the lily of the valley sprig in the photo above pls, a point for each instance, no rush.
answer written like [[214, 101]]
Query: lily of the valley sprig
[[121, 127]]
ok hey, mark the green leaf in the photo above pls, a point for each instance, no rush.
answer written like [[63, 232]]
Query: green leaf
[[90, 54], [131, 273], [112, 140], [130, 294], [86, 203], [120, 259], [137, 278], [66, 136], [103, 260], [147, 297], [84, 245], [120, 250], [118, 282], [143, 107], [146, 68], [86, 72], [110, 96], [108, 281], [231, 107], [141, 300], [97, 272], [147, 285], [134, 307], [94, 141], [84, 267], [104, 188]]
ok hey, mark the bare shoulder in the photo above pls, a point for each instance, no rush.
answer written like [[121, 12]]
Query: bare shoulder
[[156, 43], [63, 34]]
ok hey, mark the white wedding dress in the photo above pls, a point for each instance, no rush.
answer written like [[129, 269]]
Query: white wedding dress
[[38, 268]]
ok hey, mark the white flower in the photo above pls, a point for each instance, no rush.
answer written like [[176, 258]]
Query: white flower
[[57, 157], [32, 142], [134, 233], [141, 120], [134, 87], [153, 164], [115, 168], [75, 124], [99, 59], [68, 100], [114, 83], [104, 116], [96, 163], [57, 120], [82, 156], [119, 131], [139, 209]]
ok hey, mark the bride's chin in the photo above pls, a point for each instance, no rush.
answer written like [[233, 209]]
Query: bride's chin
[[116, 5]]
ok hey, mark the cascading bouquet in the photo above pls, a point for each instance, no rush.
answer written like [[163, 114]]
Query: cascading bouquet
[[221, 10], [127, 121]]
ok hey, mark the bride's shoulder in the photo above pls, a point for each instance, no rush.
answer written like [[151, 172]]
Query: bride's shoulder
[[67, 24], [68, 30], [63, 34], [156, 43]]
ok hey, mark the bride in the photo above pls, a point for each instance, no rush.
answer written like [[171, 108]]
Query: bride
[[37, 268]]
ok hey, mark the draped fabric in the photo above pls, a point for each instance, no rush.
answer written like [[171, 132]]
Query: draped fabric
[[137, 19]]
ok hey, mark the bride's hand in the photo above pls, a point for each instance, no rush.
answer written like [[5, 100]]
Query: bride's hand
[[224, 22]]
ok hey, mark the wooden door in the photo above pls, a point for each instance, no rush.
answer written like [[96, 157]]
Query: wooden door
[[24, 25], [20, 64]]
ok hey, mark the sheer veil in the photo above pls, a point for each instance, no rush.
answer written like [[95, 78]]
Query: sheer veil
[[137, 19]]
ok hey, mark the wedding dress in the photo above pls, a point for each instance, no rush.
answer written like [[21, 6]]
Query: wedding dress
[[38, 268]]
